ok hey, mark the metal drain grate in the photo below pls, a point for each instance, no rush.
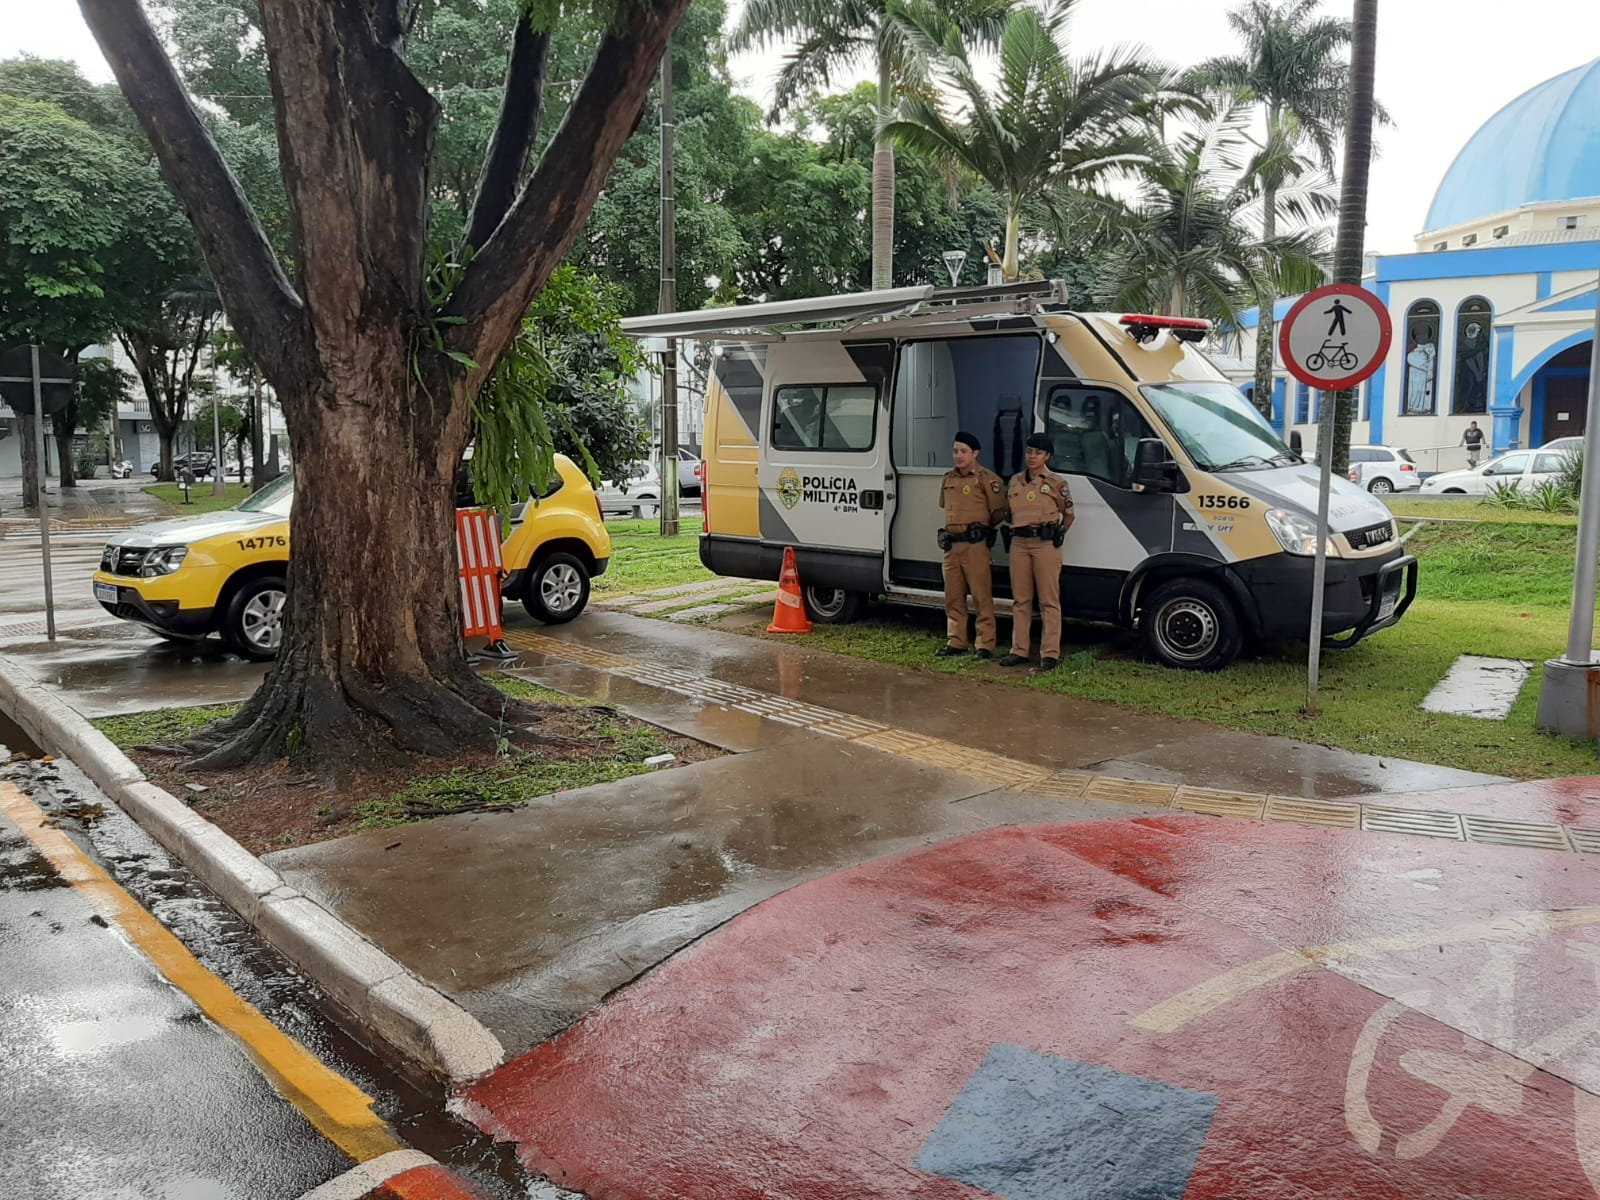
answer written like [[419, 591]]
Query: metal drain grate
[[1313, 812], [1412, 821], [1534, 834], [1250, 805], [1130, 791]]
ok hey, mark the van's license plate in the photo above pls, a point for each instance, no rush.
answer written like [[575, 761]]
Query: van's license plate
[[104, 591], [1391, 598]]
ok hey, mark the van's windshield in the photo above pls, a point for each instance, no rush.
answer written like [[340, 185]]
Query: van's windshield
[[276, 498], [1218, 428]]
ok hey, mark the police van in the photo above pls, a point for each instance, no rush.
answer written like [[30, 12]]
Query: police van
[[829, 424]]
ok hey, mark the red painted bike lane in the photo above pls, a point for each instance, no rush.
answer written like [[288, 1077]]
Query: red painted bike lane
[[1121, 1010]]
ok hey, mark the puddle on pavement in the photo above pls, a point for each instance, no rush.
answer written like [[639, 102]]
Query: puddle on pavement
[[24, 869], [14, 744]]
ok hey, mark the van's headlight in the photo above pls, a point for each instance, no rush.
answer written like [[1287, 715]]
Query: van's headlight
[[1295, 532], [163, 560]]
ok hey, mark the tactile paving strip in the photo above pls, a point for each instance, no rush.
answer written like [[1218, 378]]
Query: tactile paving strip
[[1130, 791], [1217, 803], [1313, 812], [1585, 840]]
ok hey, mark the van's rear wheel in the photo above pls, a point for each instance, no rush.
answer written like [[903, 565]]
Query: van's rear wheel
[[1192, 625], [833, 606]]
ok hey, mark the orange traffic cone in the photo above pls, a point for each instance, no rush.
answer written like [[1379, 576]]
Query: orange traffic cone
[[789, 613]]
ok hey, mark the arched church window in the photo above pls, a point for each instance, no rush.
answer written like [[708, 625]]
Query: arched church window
[[1474, 320], [1418, 395]]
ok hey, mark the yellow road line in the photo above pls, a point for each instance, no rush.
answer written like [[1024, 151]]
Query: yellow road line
[[335, 1107]]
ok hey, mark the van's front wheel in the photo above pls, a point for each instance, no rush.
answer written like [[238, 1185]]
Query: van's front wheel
[[833, 606], [1191, 624]]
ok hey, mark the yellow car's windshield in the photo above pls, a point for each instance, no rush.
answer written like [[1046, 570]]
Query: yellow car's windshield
[[276, 498]]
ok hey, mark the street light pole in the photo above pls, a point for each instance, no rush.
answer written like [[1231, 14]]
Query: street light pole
[[668, 303], [44, 511], [219, 479]]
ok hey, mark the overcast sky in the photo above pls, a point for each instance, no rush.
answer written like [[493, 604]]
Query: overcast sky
[[1444, 67]]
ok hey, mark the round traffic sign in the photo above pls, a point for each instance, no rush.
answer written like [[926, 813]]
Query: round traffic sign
[[1335, 337]]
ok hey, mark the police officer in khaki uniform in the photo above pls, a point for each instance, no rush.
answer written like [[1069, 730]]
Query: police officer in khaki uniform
[[974, 503], [1041, 514]]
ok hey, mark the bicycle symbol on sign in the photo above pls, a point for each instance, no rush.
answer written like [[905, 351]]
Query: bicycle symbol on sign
[[1334, 354]]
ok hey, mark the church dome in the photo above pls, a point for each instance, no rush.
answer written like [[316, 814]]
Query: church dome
[[1543, 146]]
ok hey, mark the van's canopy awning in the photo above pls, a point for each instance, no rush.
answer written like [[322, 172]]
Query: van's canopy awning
[[762, 318]]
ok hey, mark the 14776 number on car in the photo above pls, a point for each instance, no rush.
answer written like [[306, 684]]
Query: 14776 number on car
[[263, 543]]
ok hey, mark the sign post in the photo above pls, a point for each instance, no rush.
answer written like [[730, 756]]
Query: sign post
[[38, 395], [1332, 339]]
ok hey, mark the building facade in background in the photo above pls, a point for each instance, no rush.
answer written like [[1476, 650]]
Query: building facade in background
[[1494, 312]]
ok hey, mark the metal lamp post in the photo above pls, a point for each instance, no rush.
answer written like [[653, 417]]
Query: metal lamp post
[[954, 260]]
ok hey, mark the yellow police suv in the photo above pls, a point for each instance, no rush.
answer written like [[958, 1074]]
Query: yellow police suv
[[226, 572]]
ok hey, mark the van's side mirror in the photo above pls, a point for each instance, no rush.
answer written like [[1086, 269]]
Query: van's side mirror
[[1153, 468], [1296, 443]]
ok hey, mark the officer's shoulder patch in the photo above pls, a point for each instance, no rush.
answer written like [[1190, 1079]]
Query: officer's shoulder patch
[[995, 487]]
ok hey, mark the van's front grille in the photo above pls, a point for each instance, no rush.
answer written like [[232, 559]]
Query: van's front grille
[[1370, 537]]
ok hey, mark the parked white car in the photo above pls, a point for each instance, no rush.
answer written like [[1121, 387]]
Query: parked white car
[[1382, 469], [1523, 469], [640, 496], [1570, 444]]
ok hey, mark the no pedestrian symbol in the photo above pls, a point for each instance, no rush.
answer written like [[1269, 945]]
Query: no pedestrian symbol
[[1335, 337]]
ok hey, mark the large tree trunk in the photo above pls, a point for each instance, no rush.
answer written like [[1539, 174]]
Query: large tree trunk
[[883, 189], [1266, 300], [355, 680], [1351, 242], [61, 427], [30, 455], [164, 471]]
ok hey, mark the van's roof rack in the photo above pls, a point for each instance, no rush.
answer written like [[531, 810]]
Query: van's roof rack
[[847, 309]]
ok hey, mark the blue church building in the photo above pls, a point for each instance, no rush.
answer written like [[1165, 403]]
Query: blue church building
[[1494, 312]]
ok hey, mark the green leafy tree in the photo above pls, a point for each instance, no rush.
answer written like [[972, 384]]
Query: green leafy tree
[[1292, 66], [229, 416], [1048, 124], [378, 351], [1191, 246], [830, 38]]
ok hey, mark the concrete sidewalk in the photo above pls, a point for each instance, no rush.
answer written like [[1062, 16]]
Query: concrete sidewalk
[[530, 918]]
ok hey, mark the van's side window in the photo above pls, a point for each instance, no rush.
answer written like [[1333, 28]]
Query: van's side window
[[840, 416], [1096, 432]]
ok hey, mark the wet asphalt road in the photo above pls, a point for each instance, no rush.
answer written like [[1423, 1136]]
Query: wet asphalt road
[[115, 1084]]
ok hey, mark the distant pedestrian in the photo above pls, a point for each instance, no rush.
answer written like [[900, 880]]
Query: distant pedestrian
[[1041, 513], [974, 503], [1472, 439]]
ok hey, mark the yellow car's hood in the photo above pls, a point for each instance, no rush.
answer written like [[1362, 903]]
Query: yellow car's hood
[[186, 531]]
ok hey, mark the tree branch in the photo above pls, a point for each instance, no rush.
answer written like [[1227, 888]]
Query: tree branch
[[266, 312], [549, 213], [355, 138], [514, 131]]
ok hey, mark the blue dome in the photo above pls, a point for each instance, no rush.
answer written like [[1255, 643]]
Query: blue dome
[[1544, 145]]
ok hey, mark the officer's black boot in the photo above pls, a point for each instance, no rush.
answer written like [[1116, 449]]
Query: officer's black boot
[[1013, 660]]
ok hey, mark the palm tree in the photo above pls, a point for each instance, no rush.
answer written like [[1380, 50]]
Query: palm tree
[[1292, 66], [830, 36], [1364, 112], [1189, 245], [1049, 126]]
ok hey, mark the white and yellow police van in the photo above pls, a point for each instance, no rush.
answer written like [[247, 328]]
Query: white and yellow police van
[[829, 424]]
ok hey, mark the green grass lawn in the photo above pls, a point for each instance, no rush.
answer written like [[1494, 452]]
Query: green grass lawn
[[201, 499], [1472, 510], [1498, 589], [642, 559]]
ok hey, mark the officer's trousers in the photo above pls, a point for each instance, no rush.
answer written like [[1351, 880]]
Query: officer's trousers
[[966, 569], [1035, 574]]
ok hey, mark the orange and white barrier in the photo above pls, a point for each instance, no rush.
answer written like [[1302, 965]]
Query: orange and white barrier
[[481, 569]]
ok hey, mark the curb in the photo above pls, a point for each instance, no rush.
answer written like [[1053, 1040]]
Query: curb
[[420, 1022], [402, 1175]]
